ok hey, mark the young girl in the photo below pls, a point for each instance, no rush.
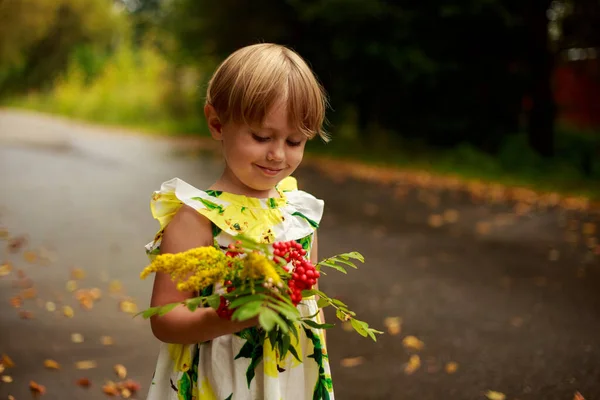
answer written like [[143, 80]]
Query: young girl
[[263, 103]]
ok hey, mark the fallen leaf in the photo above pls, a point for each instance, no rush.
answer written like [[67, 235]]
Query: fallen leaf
[[7, 379], [30, 256], [37, 388], [24, 314], [588, 229], [7, 361], [128, 306], [5, 269], [11, 397], [411, 342], [131, 385], [68, 311], [83, 382], [77, 274], [350, 362], [88, 364], [76, 338], [107, 340], [483, 228], [15, 244], [125, 393], [50, 306], [16, 301], [578, 396], [414, 363], [1, 368], [492, 395], [110, 389], [435, 220], [393, 325], [451, 367], [4, 234], [71, 286], [121, 371], [51, 364], [29, 293], [96, 293], [115, 286]]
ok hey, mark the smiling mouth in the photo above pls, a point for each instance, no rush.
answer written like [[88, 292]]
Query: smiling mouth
[[269, 171]]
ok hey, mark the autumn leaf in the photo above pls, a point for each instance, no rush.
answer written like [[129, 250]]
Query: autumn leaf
[[83, 382], [30, 256], [451, 367], [76, 338], [7, 361], [451, 216], [50, 306], [37, 388], [414, 363], [121, 371], [106, 340], [77, 274], [51, 364], [125, 393], [350, 362], [435, 220], [110, 389], [115, 286], [411, 342], [71, 286], [87, 364], [128, 306], [15, 244], [483, 228], [29, 293], [131, 385], [393, 325], [5, 269], [578, 396], [7, 379], [16, 301], [68, 311], [492, 395], [24, 314]]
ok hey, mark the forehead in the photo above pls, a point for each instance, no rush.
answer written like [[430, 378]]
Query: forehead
[[277, 119]]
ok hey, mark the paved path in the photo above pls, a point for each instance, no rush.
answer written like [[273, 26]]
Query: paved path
[[514, 301]]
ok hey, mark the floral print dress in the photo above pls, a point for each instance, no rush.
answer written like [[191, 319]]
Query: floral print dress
[[237, 367]]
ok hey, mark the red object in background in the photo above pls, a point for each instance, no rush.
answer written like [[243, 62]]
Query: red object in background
[[577, 93]]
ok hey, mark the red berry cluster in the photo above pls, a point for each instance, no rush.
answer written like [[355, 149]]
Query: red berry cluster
[[223, 311], [304, 273]]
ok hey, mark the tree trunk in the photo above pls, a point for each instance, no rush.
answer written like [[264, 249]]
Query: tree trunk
[[541, 62]]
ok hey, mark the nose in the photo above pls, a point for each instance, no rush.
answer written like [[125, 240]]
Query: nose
[[276, 152]]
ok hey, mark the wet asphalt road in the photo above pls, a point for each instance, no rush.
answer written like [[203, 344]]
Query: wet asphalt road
[[513, 301]]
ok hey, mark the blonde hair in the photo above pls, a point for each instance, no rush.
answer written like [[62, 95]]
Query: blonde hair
[[255, 78]]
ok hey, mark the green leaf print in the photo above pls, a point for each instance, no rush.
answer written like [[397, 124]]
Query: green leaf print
[[214, 193], [305, 242], [310, 221], [272, 203], [229, 397], [216, 230], [209, 204], [323, 382], [252, 349]]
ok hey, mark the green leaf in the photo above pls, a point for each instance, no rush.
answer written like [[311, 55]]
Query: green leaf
[[294, 330], [340, 314], [316, 325], [246, 299], [322, 303], [149, 312], [353, 254], [285, 345], [267, 319], [287, 311], [330, 265], [247, 311], [338, 303], [295, 353], [245, 351], [214, 300], [308, 293], [360, 327], [167, 308]]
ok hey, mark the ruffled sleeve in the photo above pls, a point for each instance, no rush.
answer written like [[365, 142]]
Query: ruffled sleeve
[[292, 216]]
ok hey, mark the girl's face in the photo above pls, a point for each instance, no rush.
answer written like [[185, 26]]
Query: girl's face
[[257, 159]]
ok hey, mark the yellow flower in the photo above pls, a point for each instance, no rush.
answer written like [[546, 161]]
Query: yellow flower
[[193, 270], [258, 266]]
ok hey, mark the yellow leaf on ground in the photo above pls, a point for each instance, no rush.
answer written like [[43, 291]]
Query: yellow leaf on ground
[[30, 256], [87, 364], [435, 220], [121, 371], [352, 361], [483, 228], [106, 340], [50, 306], [7, 361], [492, 395], [451, 216], [37, 388], [125, 393], [451, 367], [7, 379], [77, 274], [411, 342], [71, 286], [393, 325], [68, 311], [51, 364], [414, 363], [5, 269], [128, 306], [578, 396], [115, 286], [76, 338]]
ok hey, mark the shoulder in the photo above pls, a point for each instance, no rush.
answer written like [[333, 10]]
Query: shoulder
[[188, 229]]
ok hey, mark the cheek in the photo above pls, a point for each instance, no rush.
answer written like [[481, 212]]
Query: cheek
[[295, 155]]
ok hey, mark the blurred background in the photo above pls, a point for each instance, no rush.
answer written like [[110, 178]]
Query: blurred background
[[465, 165]]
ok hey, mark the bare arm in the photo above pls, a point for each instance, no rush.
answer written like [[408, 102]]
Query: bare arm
[[187, 230]]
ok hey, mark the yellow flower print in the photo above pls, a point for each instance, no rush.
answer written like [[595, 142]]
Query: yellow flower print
[[205, 391], [181, 356], [269, 359]]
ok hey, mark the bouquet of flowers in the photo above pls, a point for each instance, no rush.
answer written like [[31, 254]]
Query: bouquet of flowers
[[250, 281]]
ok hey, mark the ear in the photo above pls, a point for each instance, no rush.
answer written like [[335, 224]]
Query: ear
[[214, 123]]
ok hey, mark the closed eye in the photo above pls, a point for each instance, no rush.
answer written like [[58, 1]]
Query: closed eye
[[260, 139], [293, 144]]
